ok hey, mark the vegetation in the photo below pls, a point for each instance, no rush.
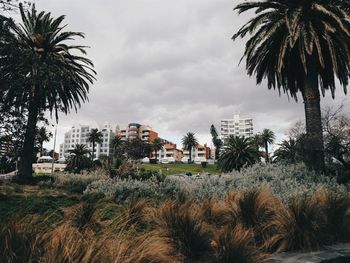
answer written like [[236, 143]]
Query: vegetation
[[237, 153], [157, 145], [43, 135], [217, 142], [311, 40], [189, 142], [267, 137], [78, 160], [178, 168], [94, 137], [42, 72]]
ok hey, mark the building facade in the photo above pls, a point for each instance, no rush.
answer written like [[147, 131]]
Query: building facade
[[79, 134], [201, 153], [136, 130], [170, 152], [237, 126]]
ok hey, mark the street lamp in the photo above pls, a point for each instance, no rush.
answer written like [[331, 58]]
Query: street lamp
[[53, 152]]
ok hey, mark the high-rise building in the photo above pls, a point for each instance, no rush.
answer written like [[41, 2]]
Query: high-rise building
[[79, 134], [135, 130], [237, 126]]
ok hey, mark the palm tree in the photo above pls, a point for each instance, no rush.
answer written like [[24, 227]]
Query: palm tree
[[94, 137], [299, 46], [157, 145], [267, 137], [237, 152], [41, 71], [189, 142], [78, 160], [116, 144], [287, 152], [216, 140], [43, 135]]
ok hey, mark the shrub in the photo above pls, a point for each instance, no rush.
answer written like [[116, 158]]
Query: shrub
[[84, 216]]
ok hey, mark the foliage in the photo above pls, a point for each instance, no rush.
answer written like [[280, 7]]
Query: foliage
[[189, 141], [137, 149], [78, 161], [288, 152], [237, 153], [299, 46], [40, 71], [217, 142], [94, 137], [42, 135], [157, 145], [267, 137]]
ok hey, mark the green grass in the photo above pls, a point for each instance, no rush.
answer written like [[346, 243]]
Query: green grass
[[169, 169]]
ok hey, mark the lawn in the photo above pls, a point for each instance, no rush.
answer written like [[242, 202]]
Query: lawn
[[175, 168]]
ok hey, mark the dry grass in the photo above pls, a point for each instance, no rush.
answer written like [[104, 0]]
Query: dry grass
[[244, 227]]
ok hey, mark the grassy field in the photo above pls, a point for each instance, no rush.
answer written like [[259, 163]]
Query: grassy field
[[169, 169]]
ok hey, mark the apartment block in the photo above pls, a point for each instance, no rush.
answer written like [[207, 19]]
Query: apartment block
[[238, 126], [201, 152], [136, 130], [79, 134]]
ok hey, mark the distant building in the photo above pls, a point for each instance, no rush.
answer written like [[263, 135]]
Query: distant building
[[200, 152], [170, 151], [136, 130], [79, 134], [6, 145], [237, 126]]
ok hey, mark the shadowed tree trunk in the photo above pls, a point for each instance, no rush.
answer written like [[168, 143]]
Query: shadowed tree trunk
[[314, 137], [190, 152], [267, 159], [25, 167]]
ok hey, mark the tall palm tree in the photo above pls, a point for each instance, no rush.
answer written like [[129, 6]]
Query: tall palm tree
[[216, 140], [157, 145], [267, 137], [116, 145], [299, 46], [189, 142], [78, 160], [43, 135], [41, 71], [94, 137], [237, 152]]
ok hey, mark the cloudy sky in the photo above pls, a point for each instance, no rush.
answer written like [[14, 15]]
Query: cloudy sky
[[169, 64]]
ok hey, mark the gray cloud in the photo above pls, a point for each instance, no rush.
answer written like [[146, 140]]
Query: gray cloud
[[170, 64]]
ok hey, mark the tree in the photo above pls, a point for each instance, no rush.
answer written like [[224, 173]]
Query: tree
[[41, 71], [288, 152], [189, 142], [216, 140], [137, 149], [94, 137], [299, 46], [116, 146], [267, 137], [157, 145], [43, 135], [237, 152], [78, 160]]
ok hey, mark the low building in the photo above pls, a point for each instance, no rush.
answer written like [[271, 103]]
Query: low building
[[171, 152], [46, 168], [201, 152]]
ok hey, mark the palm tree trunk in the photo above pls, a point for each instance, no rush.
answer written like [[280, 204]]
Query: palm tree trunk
[[156, 156], [314, 146], [26, 161], [93, 151], [190, 152], [267, 159]]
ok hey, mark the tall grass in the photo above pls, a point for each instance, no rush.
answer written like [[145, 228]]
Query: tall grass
[[243, 227]]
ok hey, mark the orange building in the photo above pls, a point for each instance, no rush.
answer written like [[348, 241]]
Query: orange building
[[135, 130]]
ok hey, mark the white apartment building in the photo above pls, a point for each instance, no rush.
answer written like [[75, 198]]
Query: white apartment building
[[237, 126], [78, 134]]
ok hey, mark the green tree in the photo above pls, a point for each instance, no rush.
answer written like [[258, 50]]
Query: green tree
[[137, 149], [237, 152], [299, 46], [43, 135], [217, 142], [78, 160], [288, 152], [94, 137], [41, 71], [157, 145], [190, 142], [267, 137]]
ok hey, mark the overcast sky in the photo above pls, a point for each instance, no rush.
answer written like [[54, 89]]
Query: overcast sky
[[171, 65]]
